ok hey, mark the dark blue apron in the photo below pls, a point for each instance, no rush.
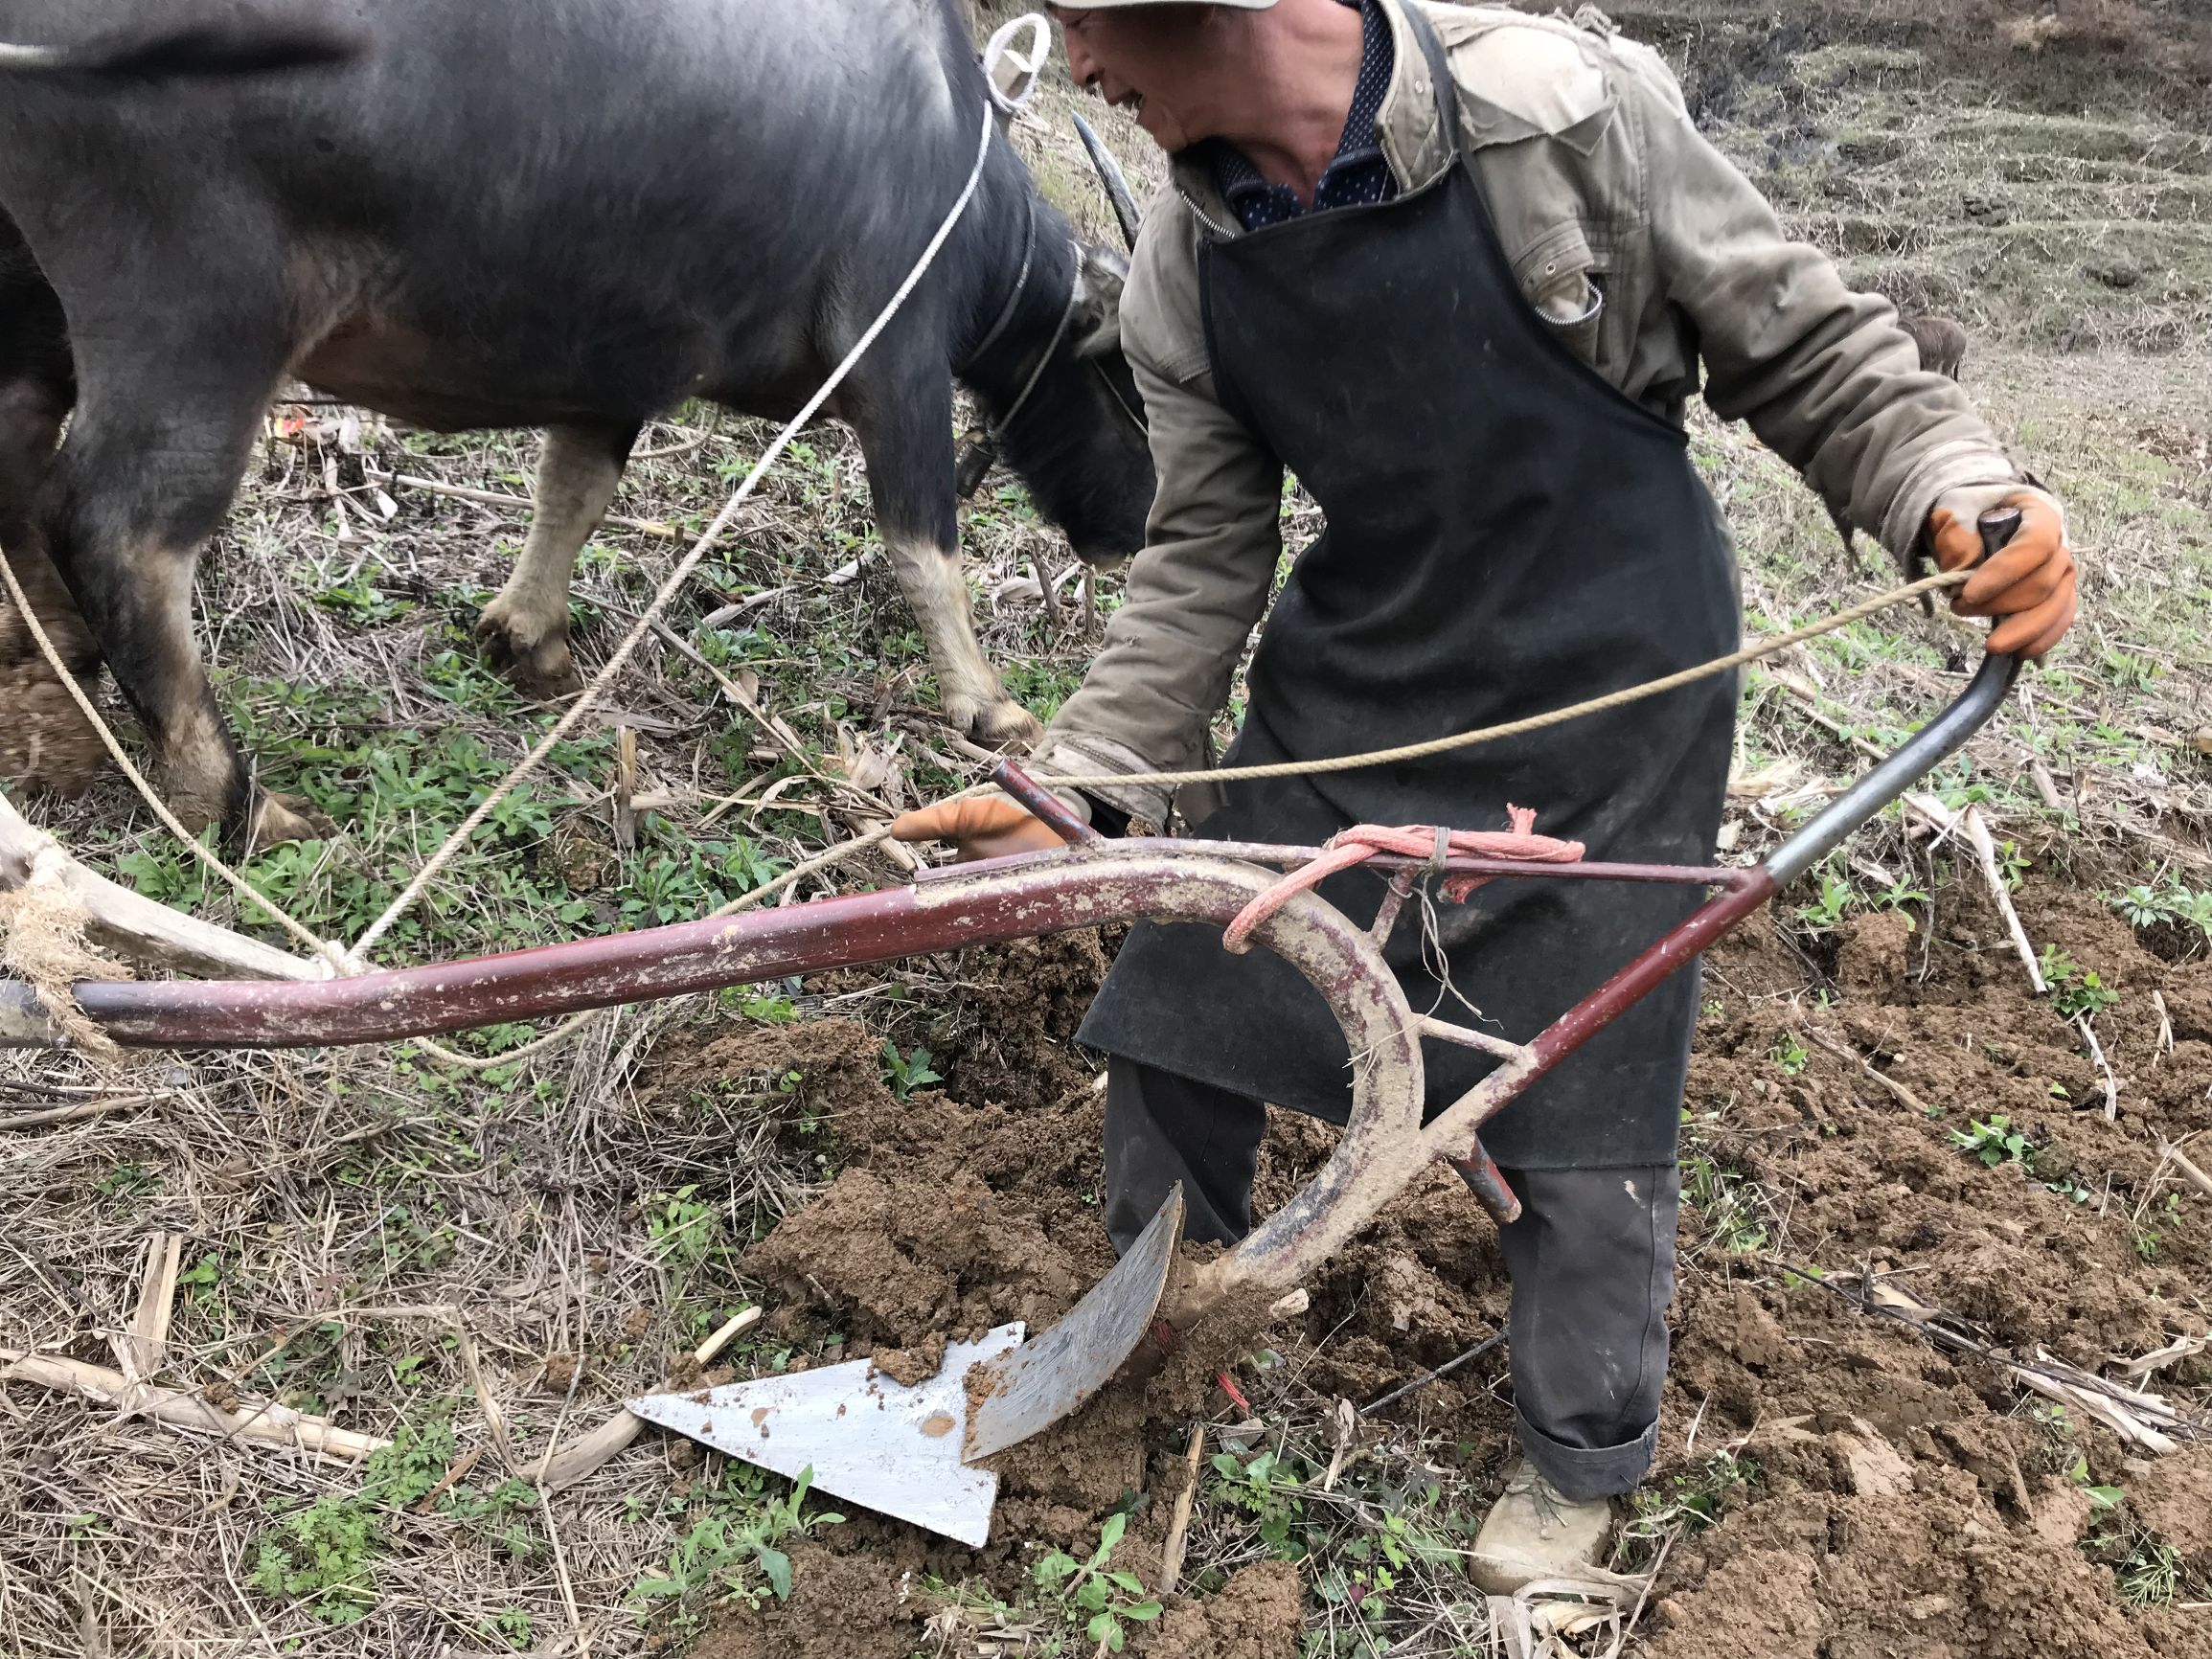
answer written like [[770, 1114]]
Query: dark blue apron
[[1506, 532]]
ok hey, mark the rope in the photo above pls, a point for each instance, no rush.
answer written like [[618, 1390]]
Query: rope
[[1750, 653], [1356, 845], [690, 562], [230, 878]]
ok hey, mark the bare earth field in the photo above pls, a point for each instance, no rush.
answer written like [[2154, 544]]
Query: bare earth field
[[1918, 1193]]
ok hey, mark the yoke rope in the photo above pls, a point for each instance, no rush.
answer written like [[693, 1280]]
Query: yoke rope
[[1749, 653]]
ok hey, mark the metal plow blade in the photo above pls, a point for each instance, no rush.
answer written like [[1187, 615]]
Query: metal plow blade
[[908, 1452], [1045, 1380], [869, 1441]]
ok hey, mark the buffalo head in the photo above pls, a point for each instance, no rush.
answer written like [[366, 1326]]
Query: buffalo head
[[1077, 438]]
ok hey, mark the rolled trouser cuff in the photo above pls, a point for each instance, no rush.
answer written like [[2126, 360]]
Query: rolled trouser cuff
[[1583, 1475]]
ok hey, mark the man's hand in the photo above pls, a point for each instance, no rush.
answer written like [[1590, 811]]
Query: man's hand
[[987, 827], [2028, 584]]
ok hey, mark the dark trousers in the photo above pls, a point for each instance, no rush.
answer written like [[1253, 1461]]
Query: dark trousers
[[1591, 1260]]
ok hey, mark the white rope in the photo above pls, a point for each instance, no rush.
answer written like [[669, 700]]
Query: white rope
[[691, 562]]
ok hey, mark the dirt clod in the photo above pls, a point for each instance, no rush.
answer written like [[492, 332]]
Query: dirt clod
[[842, 1606], [1256, 1614]]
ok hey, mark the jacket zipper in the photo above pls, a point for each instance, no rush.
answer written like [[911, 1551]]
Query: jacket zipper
[[1205, 218]]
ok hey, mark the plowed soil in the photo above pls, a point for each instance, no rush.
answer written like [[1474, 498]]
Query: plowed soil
[[1896, 1499]]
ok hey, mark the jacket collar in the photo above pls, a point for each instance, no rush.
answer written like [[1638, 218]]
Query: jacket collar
[[1412, 138]]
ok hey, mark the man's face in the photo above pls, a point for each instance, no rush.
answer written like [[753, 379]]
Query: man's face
[[1149, 59]]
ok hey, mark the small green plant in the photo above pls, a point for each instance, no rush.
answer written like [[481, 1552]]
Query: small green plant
[[1727, 1203], [906, 1073], [1788, 1053], [359, 601], [511, 1625], [2142, 906], [1264, 1490], [2131, 672], [1826, 913], [769, 1009], [2104, 1497], [323, 1556], [2014, 865], [1093, 1593], [1993, 1140], [1899, 893], [723, 1547], [1699, 1496], [2147, 906], [2148, 1236], [197, 1282], [683, 1229], [2150, 1574], [127, 1181], [2147, 1571], [2076, 991]]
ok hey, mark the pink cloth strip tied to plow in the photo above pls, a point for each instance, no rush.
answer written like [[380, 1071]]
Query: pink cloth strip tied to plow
[[1351, 847]]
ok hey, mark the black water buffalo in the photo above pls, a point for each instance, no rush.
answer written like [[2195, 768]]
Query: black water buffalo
[[569, 213]]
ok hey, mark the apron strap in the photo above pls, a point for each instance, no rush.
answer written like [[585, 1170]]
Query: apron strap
[[1446, 90]]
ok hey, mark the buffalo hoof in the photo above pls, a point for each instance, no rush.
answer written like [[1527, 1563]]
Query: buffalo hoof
[[1007, 727], [535, 661], [276, 819]]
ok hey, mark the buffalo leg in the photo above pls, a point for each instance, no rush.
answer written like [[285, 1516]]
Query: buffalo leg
[[36, 389], [524, 630], [31, 417], [166, 417], [906, 431]]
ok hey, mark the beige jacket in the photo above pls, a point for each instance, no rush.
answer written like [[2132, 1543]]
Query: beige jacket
[[1638, 241]]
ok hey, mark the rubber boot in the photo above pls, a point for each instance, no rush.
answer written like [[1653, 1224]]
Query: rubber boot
[[1533, 1532]]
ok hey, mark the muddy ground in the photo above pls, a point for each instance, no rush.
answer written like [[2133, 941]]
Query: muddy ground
[[1883, 1496]]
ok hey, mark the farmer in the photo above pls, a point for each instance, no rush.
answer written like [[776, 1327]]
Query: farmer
[[1458, 270]]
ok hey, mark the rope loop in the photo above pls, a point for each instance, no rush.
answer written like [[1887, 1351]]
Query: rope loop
[[1348, 849]]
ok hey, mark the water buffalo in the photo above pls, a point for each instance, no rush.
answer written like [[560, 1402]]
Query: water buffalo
[[543, 213]]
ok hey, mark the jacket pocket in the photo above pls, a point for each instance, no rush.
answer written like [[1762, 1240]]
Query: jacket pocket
[[1564, 282]]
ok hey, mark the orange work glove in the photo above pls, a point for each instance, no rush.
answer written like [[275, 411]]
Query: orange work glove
[[2028, 584], [985, 827]]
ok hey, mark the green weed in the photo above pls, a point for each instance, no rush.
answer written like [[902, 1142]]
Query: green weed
[[2076, 991], [682, 1228], [127, 1181], [2147, 906], [1897, 895], [1827, 911], [741, 1537], [1265, 1489], [1699, 1496], [323, 1556], [906, 1073], [1993, 1140], [1724, 1197], [1093, 1593]]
